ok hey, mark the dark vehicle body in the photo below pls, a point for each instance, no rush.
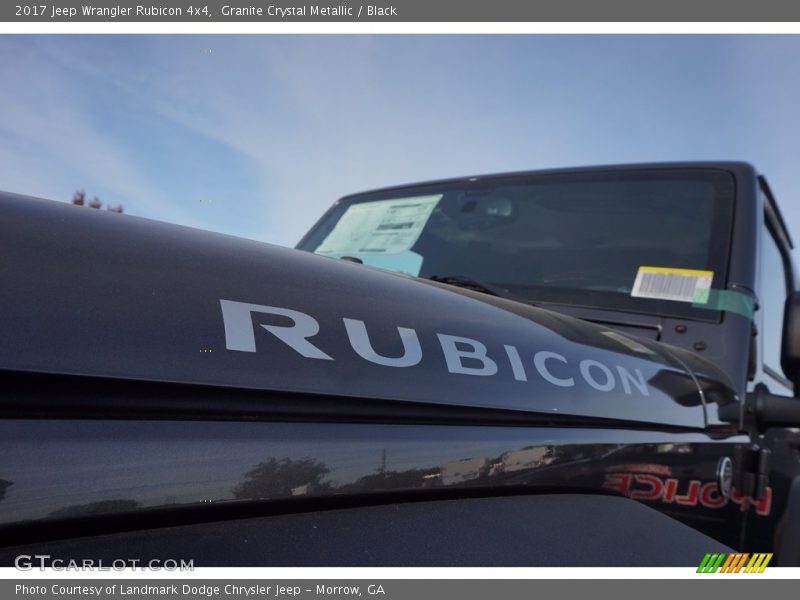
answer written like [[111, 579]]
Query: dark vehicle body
[[163, 387]]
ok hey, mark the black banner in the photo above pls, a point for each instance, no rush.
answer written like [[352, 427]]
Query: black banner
[[266, 588], [220, 11]]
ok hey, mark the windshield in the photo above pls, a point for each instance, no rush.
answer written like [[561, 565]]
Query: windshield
[[649, 241]]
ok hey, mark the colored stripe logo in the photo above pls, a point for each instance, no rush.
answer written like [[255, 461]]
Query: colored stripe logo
[[734, 563]]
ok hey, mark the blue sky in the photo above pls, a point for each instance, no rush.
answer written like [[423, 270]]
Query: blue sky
[[257, 135]]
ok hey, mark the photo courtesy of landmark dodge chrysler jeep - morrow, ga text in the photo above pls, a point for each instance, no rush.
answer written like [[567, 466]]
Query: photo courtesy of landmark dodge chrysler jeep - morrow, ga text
[[574, 367]]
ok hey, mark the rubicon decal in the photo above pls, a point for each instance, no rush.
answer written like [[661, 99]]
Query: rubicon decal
[[734, 563], [462, 355]]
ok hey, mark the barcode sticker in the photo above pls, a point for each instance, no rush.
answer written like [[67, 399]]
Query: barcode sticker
[[682, 285]]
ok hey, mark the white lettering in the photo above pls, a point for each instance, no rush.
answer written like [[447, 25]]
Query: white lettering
[[516, 363], [239, 334], [627, 379], [29, 590], [359, 340], [23, 562], [453, 356], [585, 367], [381, 11], [242, 11], [540, 362], [338, 590], [463, 355]]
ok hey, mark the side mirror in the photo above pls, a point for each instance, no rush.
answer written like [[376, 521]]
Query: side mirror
[[763, 410], [790, 350]]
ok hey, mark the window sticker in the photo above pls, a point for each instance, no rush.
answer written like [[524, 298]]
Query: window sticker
[[382, 227], [408, 262], [681, 285]]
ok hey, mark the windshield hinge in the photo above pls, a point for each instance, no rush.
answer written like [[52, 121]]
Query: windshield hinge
[[750, 468]]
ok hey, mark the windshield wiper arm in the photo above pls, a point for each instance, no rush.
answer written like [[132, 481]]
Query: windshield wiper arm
[[477, 286]]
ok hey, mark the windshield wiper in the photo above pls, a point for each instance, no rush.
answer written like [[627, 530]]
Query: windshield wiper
[[478, 286]]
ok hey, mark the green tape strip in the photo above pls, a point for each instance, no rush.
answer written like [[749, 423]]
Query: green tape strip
[[703, 563], [718, 563], [728, 301], [710, 566]]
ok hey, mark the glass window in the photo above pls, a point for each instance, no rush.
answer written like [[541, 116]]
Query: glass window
[[578, 238], [772, 299]]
